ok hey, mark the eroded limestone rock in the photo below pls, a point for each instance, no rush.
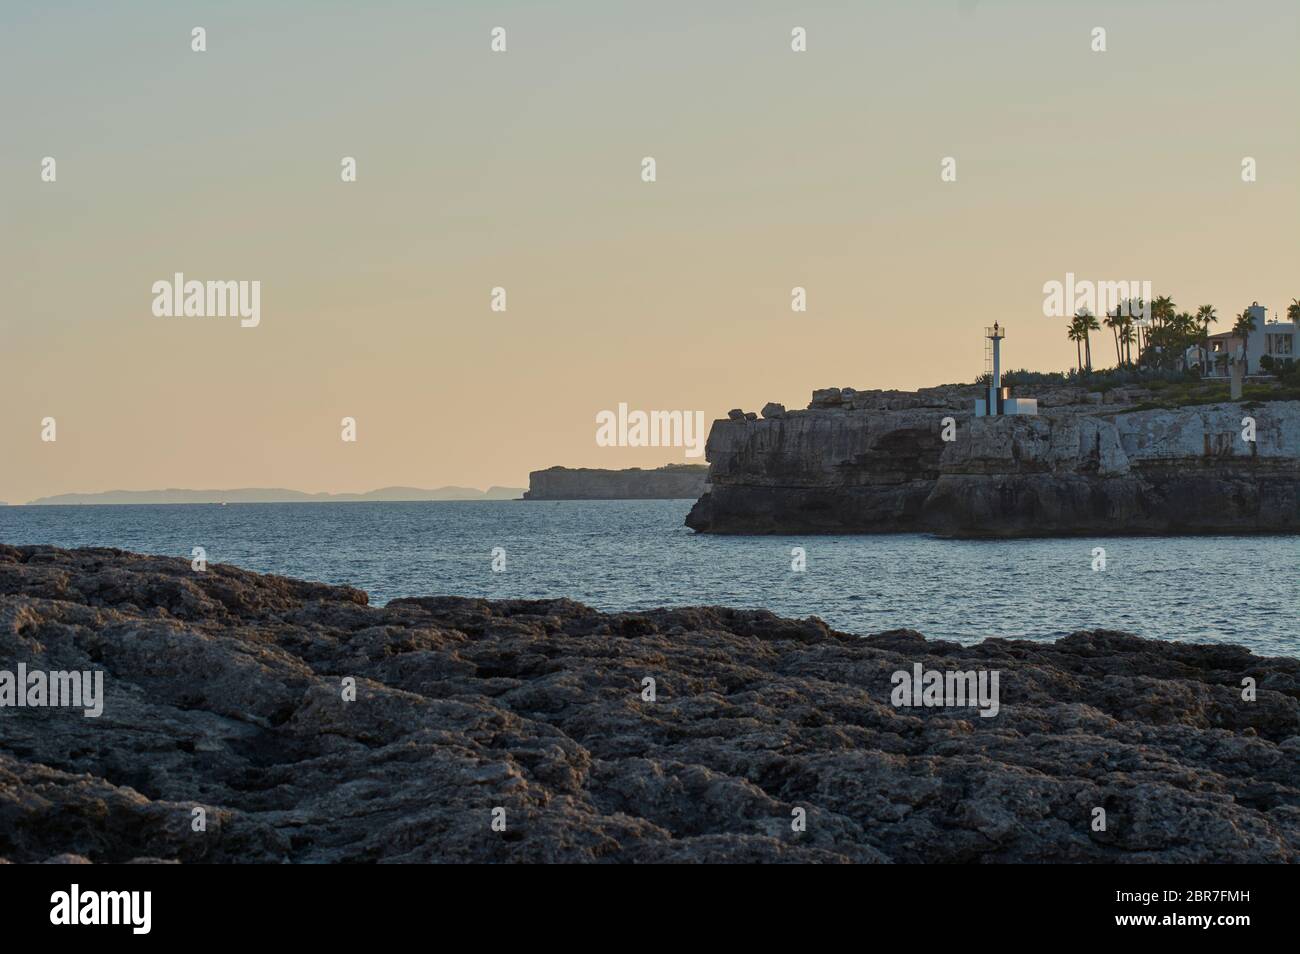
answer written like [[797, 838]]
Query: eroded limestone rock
[[881, 466], [223, 693]]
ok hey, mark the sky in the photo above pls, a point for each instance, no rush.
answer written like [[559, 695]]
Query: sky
[[523, 170]]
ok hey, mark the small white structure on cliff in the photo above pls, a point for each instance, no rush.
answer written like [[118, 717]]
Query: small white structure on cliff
[[999, 400]]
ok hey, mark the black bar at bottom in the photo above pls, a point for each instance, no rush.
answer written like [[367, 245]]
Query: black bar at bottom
[[332, 904]]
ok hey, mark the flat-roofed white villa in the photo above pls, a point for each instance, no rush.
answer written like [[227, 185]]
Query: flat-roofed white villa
[[1276, 339]]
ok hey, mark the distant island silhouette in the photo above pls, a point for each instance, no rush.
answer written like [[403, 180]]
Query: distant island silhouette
[[669, 482], [275, 495]]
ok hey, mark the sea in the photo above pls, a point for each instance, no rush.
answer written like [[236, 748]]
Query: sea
[[637, 554]]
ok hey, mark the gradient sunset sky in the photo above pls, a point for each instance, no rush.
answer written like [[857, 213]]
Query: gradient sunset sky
[[522, 170]]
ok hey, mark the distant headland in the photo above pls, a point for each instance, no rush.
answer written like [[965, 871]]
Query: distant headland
[[670, 482], [276, 495]]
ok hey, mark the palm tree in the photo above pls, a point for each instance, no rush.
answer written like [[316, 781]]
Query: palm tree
[[1075, 333], [1293, 310], [1114, 320], [1162, 310], [1206, 316], [1242, 328], [1126, 337], [1087, 322], [1157, 336], [1136, 306], [1183, 332]]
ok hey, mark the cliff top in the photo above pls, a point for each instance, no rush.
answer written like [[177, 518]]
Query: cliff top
[[665, 468], [1164, 390]]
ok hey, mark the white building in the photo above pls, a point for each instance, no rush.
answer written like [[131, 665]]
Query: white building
[[1277, 339], [999, 401]]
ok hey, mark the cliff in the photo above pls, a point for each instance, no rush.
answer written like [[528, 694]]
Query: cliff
[[222, 691], [671, 482], [878, 462]]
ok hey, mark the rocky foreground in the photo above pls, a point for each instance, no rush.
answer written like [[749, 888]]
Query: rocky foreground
[[1088, 463], [224, 690]]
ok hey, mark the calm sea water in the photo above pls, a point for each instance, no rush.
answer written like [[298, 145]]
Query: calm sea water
[[637, 554]]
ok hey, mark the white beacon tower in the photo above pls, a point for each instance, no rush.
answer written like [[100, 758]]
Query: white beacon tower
[[999, 402], [994, 336]]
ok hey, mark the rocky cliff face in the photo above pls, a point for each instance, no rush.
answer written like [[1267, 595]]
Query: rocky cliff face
[[880, 463], [223, 691], [673, 482]]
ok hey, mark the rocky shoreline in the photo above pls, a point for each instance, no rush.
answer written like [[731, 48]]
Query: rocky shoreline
[[225, 691], [1088, 463]]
